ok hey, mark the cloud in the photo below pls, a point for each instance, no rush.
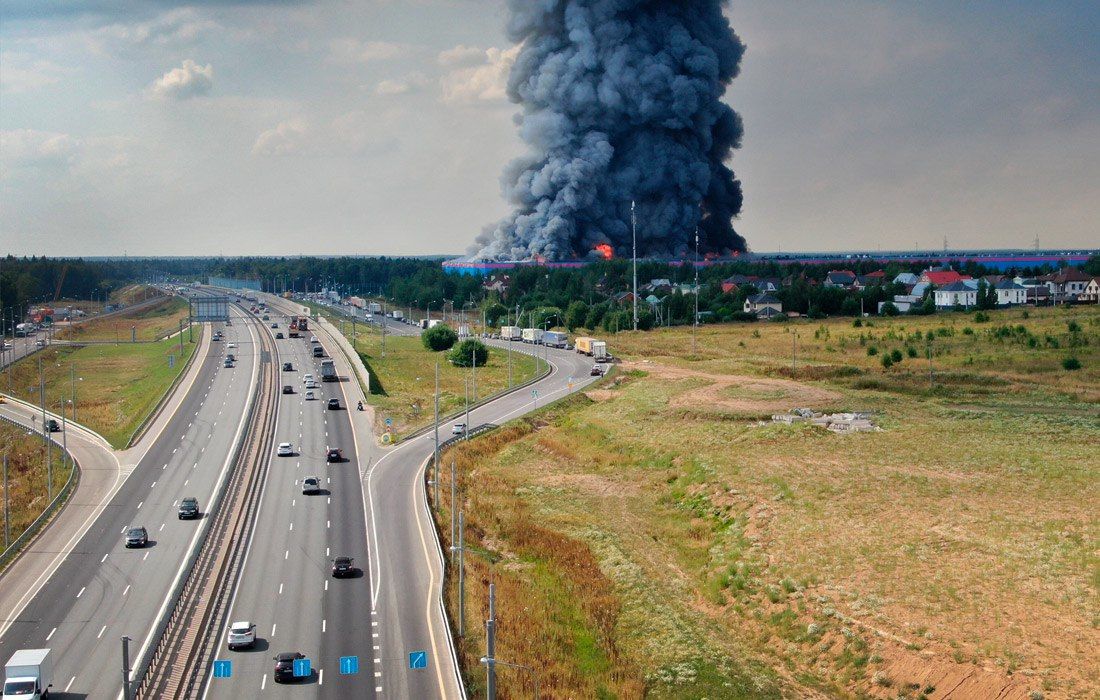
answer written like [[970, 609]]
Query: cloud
[[287, 138], [461, 55], [177, 27], [189, 80], [347, 51], [24, 73], [23, 148], [401, 86], [484, 81]]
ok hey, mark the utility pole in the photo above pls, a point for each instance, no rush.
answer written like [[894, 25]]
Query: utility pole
[[126, 668], [45, 432], [436, 460], [695, 318], [473, 373], [634, 234], [461, 549], [383, 330], [7, 510], [794, 350], [453, 487], [466, 433], [490, 646], [930, 377]]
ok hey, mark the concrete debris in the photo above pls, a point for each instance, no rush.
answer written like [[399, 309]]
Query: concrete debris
[[850, 422]]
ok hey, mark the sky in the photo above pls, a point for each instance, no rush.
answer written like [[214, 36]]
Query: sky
[[286, 127]]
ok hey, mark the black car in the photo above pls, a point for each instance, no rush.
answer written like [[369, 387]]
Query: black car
[[284, 665], [137, 537], [343, 566], [288, 367], [189, 508], [334, 404], [288, 389], [333, 454], [52, 425], [279, 335], [596, 372]]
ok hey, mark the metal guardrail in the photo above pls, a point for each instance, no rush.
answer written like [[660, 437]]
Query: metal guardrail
[[11, 553], [192, 578]]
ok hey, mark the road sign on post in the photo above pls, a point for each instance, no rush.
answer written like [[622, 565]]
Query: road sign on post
[[302, 668], [418, 659], [349, 665], [223, 668]]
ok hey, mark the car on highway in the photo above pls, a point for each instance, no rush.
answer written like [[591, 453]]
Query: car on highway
[[231, 345], [311, 484], [284, 665], [288, 389], [274, 325], [288, 366], [137, 537], [458, 429], [343, 566], [334, 454], [279, 336], [228, 363], [188, 508], [231, 357], [216, 336], [242, 635], [307, 378], [595, 372], [266, 317], [310, 395], [334, 404], [53, 426], [313, 339], [311, 384], [285, 449], [40, 343]]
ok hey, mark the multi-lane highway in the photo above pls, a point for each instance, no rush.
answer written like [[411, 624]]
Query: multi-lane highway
[[101, 590]]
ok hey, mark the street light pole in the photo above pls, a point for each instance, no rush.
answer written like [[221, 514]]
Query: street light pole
[[695, 317], [126, 668], [453, 488], [461, 549], [490, 646], [436, 460], [634, 235]]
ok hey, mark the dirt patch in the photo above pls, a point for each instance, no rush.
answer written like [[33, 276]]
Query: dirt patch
[[600, 395], [590, 484], [740, 393]]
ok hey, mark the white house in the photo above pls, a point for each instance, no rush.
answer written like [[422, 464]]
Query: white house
[[1092, 291], [907, 278], [956, 294], [1010, 294], [763, 305]]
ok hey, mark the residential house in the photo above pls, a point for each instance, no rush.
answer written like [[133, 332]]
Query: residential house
[[763, 305], [658, 286], [1067, 284], [940, 278], [957, 293], [871, 279], [1092, 291], [840, 278], [623, 298], [1010, 294], [906, 278], [734, 282], [768, 284], [497, 283]]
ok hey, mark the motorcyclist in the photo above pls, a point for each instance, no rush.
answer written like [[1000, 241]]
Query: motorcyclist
[[360, 405]]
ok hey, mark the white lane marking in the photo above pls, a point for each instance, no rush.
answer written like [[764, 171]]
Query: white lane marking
[[326, 584], [293, 501], [161, 528], [70, 685], [140, 504], [326, 551], [321, 677], [329, 500], [324, 626], [48, 636], [292, 527], [378, 661], [374, 623], [287, 555], [328, 523], [104, 557], [273, 628], [154, 485], [101, 632], [375, 635], [186, 482], [81, 592], [126, 591], [145, 557], [280, 589], [263, 681], [164, 467]]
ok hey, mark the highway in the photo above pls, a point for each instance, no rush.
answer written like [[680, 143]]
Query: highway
[[101, 590]]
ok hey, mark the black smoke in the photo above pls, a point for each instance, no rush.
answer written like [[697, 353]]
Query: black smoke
[[621, 101]]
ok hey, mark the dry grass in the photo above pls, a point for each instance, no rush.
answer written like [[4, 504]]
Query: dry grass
[[958, 546], [118, 385], [149, 323], [27, 474]]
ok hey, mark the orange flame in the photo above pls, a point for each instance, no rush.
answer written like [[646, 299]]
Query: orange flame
[[606, 251]]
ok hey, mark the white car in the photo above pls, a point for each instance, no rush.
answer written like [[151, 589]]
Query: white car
[[458, 429], [312, 385], [231, 345], [310, 396], [242, 635], [311, 484], [40, 343], [313, 339], [307, 379], [286, 449]]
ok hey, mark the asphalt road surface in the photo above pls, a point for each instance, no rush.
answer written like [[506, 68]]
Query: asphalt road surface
[[102, 590]]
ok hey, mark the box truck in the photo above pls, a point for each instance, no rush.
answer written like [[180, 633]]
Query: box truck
[[584, 345], [510, 333], [532, 335], [27, 674], [374, 307], [599, 350], [555, 339]]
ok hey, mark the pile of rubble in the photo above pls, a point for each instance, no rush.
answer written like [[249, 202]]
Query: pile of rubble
[[852, 422]]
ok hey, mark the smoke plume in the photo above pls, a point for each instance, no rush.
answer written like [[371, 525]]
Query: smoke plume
[[621, 101]]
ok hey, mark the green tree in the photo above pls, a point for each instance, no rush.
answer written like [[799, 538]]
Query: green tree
[[987, 296], [494, 312], [889, 309], [575, 315], [439, 338], [469, 350]]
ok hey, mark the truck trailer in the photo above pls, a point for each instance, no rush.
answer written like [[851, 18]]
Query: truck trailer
[[555, 339], [592, 348], [532, 335], [27, 674], [510, 333]]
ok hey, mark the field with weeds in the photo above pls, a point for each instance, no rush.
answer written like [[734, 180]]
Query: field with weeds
[[27, 490], [117, 386], [403, 382], [659, 536], [147, 323]]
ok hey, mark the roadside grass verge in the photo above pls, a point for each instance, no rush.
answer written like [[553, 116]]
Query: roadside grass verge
[[28, 494], [148, 323], [117, 385], [747, 560], [403, 382]]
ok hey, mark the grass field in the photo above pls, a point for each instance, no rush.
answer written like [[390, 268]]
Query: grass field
[[657, 536], [117, 385], [28, 494], [403, 382], [147, 323]]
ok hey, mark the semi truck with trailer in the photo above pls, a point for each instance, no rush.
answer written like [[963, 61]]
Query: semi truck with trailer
[[27, 674], [592, 348], [510, 332], [532, 335], [555, 339]]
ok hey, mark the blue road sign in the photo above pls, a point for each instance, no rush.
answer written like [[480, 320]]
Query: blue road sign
[[418, 659], [223, 668], [349, 665], [389, 421], [302, 668]]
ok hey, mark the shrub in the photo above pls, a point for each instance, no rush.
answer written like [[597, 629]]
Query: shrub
[[1071, 364], [461, 355], [880, 678], [968, 331], [439, 338], [911, 351], [742, 317], [1074, 327], [858, 323], [896, 355], [889, 309], [872, 351], [887, 362], [981, 317]]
